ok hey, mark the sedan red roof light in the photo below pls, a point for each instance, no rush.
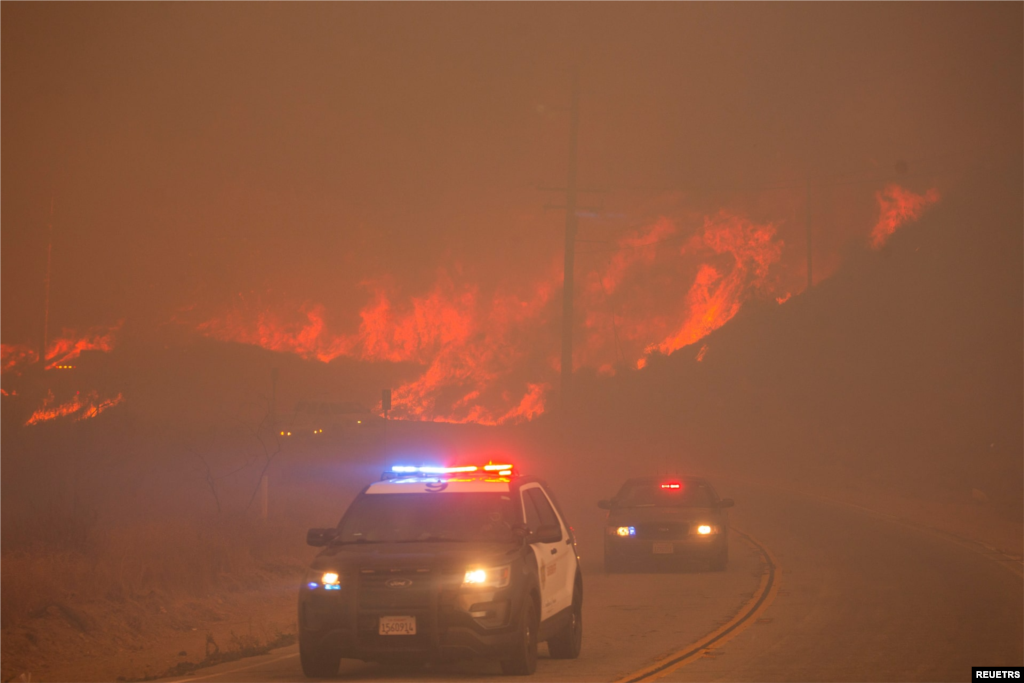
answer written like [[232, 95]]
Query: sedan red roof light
[[672, 485]]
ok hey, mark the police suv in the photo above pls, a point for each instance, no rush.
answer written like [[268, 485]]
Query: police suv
[[442, 563]]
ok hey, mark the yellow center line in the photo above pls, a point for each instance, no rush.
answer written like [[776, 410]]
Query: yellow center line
[[748, 614]]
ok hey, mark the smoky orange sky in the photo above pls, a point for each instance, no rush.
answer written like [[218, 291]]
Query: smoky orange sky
[[210, 164]]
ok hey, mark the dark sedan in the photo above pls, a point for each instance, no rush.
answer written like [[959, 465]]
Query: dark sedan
[[659, 520]]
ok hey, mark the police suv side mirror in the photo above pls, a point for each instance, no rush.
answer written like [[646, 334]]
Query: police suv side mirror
[[320, 537], [726, 503], [551, 533], [604, 504]]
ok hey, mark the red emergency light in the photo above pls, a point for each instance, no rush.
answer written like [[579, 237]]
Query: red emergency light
[[672, 485]]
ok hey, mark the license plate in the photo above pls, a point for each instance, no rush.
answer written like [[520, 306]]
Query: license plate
[[398, 626], [663, 549]]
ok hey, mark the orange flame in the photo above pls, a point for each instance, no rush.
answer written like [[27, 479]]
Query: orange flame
[[896, 206], [492, 357], [71, 346], [464, 340], [14, 356], [81, 407], [714, 298]]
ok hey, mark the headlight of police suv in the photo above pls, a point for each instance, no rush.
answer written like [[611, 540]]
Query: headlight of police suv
[[487, 577]]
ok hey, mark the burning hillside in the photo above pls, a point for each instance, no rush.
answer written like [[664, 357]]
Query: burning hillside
[[489, 356], [61, 355], [78, 408], [15, 358]]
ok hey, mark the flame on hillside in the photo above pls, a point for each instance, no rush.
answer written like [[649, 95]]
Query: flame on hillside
[[897, 206], [71, 345], [79, 408], [491, 357], [468, 343], [14, 358]]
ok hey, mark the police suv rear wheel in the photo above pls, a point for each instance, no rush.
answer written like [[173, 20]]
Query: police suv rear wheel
[[524, 653]]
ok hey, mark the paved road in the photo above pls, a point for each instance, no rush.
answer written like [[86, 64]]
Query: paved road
[[859, 598]]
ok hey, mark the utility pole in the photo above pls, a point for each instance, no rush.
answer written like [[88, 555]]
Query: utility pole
[[807, 223], [273, 399], [46, 304], [570, 244]]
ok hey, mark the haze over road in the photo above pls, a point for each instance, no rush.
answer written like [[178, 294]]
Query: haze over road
[[861, 598]]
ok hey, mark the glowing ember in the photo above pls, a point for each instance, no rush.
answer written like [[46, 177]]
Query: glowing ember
[[896, 206], [700, 354], [82, 408]]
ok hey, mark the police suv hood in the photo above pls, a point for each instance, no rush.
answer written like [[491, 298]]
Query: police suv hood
[[455, 556], [687, 515]]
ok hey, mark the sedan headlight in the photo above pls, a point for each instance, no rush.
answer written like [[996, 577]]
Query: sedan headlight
[[706, 529], [487, 577]]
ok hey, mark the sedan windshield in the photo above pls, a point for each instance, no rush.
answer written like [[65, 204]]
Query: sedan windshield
[[651, 494], [429, 517]]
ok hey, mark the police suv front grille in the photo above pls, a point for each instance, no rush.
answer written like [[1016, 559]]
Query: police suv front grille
[[393, 592], [388, 588], [665, 531]]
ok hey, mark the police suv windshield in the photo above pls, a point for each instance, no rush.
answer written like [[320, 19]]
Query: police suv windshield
[[651, 494], [429, 517]]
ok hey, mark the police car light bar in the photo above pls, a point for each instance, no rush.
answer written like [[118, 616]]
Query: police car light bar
[[490, 468], [406, 469], [673, 485]]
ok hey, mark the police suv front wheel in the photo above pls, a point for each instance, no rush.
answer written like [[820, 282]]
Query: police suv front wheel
[[523, 661], [318, 662], [567, 644]]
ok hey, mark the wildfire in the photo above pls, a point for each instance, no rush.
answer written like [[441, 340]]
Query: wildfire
[[896, 206], [70, 346], [14, 356], [81, 407], [635, 306], [60, 352], [467, 343], [490, 357]]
